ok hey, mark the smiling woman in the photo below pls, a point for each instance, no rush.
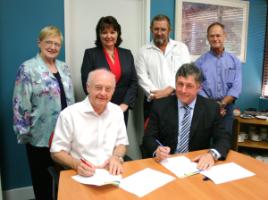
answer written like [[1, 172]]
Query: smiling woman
[[107, 54], [43, 88]]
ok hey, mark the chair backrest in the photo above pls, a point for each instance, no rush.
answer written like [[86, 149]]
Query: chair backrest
[[50, 139]]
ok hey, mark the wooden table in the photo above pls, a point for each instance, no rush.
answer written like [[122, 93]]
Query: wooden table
[[255, 187], [249, 143]]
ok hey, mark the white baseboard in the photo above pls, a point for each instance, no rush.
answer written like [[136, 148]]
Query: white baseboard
[[23, 193]]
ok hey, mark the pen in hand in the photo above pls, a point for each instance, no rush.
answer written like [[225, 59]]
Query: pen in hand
[[89, 170], [86, 163], [158, 142]]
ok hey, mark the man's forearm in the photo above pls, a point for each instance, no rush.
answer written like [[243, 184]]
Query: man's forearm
[[63, 158], [227, 100], [120, 150]]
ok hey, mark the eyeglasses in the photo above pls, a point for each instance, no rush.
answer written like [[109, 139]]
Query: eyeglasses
[[51, 43]]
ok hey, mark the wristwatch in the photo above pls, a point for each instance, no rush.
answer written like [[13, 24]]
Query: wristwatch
[[222, 104], [214, 155], [121, 159]]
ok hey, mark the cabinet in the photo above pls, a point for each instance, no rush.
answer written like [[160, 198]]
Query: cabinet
[[241, 123]]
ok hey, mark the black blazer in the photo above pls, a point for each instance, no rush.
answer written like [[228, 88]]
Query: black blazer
[[126, 87], [207, 130]]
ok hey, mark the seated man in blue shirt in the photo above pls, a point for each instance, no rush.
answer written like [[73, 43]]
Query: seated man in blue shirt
[[186, 122], [222, 74]]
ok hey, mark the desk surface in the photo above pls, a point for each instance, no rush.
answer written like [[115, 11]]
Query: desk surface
[[254, 121], [193, 187]]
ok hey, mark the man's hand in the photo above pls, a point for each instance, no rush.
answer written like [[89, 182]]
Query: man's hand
[[85, 168], [223, 112], [161, 153], [157, 94], [205, 161], [114, 165], [222, 108]]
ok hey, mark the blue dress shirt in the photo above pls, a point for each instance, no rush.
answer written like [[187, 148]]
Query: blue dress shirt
[[222, 75]]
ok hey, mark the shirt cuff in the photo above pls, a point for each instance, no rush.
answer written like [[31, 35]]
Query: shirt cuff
[[217, 153]]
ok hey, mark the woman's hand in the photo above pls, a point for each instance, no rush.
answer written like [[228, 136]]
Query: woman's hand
[[123, 107]]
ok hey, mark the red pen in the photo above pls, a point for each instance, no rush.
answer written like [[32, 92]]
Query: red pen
[[85, 162]]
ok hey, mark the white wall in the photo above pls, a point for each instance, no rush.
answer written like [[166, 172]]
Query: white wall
[[81, 17]]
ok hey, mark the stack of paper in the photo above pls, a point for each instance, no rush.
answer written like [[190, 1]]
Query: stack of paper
[[100, 177], [145, 181], [226, 172], [181, 166]]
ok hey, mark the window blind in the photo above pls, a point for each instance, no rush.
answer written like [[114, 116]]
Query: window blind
[[197, 17]]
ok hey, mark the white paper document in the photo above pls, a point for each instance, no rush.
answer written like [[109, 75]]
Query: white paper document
[[145, 181], [181, 166], [100, 177], [226, 172]]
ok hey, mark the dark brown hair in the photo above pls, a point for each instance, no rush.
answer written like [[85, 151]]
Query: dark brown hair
[[106, 22], [190, 69]]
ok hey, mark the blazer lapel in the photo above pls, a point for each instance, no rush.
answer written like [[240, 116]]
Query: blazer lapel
[[102, 59], [198, 111], [174, 115]]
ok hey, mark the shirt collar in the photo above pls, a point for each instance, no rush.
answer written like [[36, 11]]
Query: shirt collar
[[44, 66], [191, 105], [214, 54], [87, 107], [170, 43]]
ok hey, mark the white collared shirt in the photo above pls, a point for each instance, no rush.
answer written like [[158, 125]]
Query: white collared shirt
[[82, 133], [155, 69]]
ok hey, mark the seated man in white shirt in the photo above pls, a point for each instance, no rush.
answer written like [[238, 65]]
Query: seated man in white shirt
[[92, 134]]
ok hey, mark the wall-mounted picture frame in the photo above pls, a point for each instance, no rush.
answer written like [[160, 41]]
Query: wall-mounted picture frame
[[194, 16]]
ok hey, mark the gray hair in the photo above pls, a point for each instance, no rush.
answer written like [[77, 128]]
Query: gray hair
[[91, 74], [190, 69]]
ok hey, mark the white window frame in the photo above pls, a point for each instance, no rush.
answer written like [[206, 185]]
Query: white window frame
[[230, 3]]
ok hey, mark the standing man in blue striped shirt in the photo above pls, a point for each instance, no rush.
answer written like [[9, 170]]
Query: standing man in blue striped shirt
[[222, 74]]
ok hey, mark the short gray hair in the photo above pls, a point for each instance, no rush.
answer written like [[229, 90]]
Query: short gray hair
[[91, 74]]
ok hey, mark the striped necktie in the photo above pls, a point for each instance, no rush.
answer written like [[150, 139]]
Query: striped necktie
[[183, 144]]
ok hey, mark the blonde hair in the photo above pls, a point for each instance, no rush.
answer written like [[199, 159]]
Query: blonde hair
[[50, 31]]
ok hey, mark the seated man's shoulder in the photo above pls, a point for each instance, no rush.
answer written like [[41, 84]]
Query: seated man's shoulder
[[74, 107], [114, 108], [165, 101], [209, 103]]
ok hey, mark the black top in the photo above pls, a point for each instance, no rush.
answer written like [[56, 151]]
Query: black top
[[62, 93]]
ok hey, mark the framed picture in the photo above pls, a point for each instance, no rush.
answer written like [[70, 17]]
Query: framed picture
[[194, 16]]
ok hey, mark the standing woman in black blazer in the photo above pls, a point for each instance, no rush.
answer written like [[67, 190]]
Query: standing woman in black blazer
[[107, 54]]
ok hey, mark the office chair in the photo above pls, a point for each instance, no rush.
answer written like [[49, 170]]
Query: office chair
[[55, 181]]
